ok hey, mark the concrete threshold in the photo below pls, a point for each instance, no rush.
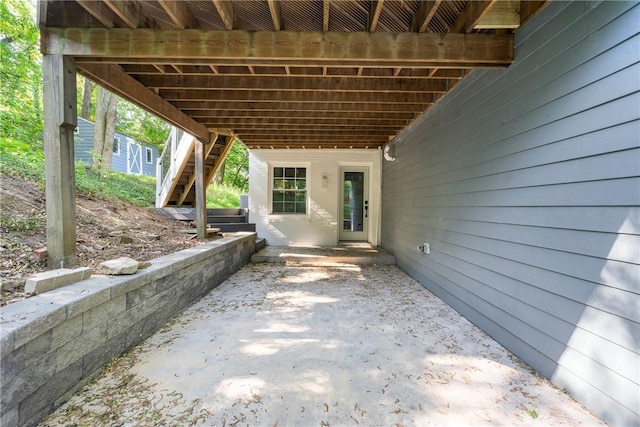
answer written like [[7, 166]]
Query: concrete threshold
[[343, 253]]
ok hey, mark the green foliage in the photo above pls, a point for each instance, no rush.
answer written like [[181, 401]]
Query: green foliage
[[21, 73], [141, 125], [223, 196], [113, 186], [19, 224], [21, 159], [236, 171], [18, 159]]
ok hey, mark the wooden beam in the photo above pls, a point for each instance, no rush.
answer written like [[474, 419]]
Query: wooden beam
[[178, 96], [330, 134], [179, 13], [263, 123], [375, 9], [274, 8], [326, 4], [225, 10], [98, 10], [112, 78], [374, 144], [318, 107], [471, 15], [128, 11], [301, 114], [317, 65], [60, 121], [290, 83], [423, 15], [363, 49], [201, 193]]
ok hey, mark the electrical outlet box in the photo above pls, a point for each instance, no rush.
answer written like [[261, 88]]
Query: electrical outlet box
[[425, 248]]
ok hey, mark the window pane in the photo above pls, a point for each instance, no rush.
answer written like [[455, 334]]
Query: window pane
[[289, 193]]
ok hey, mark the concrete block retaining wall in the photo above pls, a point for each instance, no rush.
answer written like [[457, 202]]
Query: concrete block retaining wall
[[54, 343]]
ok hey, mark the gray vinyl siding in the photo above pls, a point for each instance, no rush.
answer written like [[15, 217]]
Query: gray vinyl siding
[[83, 141], [526, 183], [119, 160]]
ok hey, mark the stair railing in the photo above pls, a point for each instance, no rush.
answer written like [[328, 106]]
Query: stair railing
[[180, 152]]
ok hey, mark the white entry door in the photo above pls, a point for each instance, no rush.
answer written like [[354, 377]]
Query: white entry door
[[354, 203], [134, 158]]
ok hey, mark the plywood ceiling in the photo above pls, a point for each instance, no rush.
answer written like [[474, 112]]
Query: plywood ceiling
[[289, 73]]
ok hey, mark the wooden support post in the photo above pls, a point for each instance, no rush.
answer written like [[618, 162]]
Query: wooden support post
[[201, 193], [60, 121]]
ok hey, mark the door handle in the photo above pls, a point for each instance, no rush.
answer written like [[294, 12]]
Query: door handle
[[366, 209]]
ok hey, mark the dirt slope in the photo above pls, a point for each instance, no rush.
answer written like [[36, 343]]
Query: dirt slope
[[103, 230]]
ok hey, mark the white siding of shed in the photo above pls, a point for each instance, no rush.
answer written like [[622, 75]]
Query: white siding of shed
[[320, 226], [526, 183]]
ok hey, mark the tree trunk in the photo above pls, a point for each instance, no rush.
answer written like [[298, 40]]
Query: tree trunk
[[219, 178], [104, 129], [85, 109]]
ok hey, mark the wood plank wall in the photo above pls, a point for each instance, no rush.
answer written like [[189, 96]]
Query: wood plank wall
[[526, 183]]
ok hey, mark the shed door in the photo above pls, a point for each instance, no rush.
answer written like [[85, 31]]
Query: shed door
[[134, 158], [354, 202]]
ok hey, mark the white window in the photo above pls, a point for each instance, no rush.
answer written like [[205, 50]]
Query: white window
[[289, 190], [148, 154], [116, 146]]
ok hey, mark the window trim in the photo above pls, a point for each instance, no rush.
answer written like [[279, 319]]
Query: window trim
[[116, 150], [148, 155], [299, 165]]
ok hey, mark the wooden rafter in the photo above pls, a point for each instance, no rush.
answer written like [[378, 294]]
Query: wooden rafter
[[180, 96], [128, 11], [318, 107], [325, 15], [179, 13], [276, 17], [98, 10], [374, 13], [286, 83], [225, 10], [471, 15], [424, 14]]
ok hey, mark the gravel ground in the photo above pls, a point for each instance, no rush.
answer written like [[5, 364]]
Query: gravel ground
[[330, 345]]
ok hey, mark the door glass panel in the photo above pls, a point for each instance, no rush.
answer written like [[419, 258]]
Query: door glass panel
[[353, 208]]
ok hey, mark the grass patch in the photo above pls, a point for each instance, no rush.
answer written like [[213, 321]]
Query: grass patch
[[110, 185], [20, 159], [222, 196], [23, 160]]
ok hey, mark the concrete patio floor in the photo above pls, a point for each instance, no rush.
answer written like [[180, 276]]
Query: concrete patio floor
[[320, 345]]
